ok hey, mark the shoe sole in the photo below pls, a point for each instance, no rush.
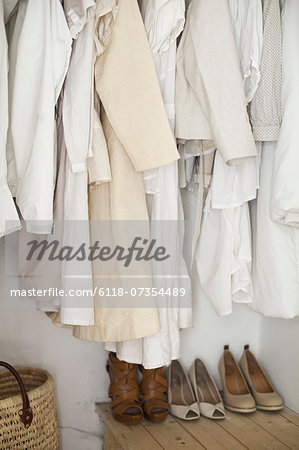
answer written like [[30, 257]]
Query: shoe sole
[[213, 418], [156, 418], [270, 408], [185, 419], [240, 410], [128, 420]]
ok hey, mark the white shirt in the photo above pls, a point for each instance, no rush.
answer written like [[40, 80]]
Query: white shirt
[[224, 256], [164, 20], [8, 211], [233, 185], [42, 60], [276, 257], [247, 17], [78, 90], [13, 28], [77, 118], [285, 193]]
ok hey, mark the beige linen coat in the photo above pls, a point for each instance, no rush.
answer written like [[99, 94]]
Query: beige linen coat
[[210, 98], [138, 137]]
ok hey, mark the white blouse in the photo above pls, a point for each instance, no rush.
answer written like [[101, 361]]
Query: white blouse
[[42, 59], [247, 17], [9, 220], [285, 192]]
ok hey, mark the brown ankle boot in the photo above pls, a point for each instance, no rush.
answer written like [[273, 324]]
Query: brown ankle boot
[[154, 391], [124, 391]]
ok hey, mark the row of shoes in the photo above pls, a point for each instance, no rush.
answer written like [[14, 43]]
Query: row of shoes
[[246, 388]]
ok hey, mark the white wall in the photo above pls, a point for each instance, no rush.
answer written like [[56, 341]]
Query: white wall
[[279, 352], [211, 333]]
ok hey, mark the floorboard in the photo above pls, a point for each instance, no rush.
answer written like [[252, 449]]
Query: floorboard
[[258, 431]]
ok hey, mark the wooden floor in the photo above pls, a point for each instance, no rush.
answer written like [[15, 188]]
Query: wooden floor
[[258, 431]]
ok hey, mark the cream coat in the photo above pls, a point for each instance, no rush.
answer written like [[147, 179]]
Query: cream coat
[[210, 99], [138, 138]]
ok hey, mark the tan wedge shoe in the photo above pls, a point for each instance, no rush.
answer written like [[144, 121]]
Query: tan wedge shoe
[[262, 390], [206, 392], [236, 394], [181, 397]]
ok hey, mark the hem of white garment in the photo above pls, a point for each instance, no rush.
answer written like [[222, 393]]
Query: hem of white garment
[[247, 199], [186, 325], [47, 309], [84, 335], [239, 159], [176, 157], [77, 316], [241, 301], [260, 311], [227, 313], [40, 226], [266, 133], [146, 365]]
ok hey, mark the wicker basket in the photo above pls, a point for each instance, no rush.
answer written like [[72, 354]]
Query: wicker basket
[[28, 415]]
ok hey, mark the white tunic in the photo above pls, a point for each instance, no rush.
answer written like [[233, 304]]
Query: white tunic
[[42, 60], [163, 21], [77, 117], [8, 210], [276, 255], [224, 253], [78, 90], [224, 256], [285, 194], [13, 28], [74, 125]]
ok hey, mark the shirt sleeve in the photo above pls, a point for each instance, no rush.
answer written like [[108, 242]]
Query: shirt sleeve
[[78, 88], [163, 20]]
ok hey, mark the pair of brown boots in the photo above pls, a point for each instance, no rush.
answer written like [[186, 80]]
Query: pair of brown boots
[[125, 391]]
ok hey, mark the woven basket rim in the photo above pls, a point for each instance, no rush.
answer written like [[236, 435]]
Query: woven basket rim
[[48, 383]]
